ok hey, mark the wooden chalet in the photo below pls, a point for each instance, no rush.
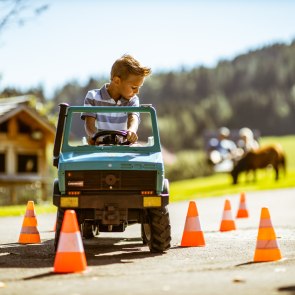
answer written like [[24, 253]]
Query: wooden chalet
[[25, 141]]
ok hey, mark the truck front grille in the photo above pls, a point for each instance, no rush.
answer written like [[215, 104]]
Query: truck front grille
[[126, 180]]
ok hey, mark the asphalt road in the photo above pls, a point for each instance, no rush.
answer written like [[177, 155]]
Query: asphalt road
[[120, 264]]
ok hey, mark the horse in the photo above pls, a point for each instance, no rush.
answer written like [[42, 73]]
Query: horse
[[260, 158]]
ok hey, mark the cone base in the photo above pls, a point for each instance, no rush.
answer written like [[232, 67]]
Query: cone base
[[267, 255], [68, 262], [227, 225], [192, 239], [242, 214], [29, 239]]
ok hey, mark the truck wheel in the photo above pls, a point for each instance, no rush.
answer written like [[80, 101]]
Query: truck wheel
[[145, 233], [89, 230], [59, 220], [157, 231]]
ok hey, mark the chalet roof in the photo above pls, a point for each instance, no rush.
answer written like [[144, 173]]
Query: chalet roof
[[8, 104], [11, 106]]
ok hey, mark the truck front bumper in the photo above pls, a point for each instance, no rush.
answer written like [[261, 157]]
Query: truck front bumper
[[121, 201]]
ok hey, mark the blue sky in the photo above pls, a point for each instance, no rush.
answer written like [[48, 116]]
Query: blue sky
[[77, 39]]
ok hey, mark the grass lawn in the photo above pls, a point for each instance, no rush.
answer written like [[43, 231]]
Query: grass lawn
[[20, 210], [220, 184]]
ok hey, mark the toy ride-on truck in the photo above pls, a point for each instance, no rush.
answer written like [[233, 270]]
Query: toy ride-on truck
[[112, 184]]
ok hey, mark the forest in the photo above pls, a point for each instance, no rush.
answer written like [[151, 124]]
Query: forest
[[256, 89]]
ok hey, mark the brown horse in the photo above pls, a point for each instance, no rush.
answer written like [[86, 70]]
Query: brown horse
[[261, 158]]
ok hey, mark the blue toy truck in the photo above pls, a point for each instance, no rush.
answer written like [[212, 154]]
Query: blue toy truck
[[112, 184]]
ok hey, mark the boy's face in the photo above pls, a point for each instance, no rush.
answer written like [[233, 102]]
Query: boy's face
[[130, 86]]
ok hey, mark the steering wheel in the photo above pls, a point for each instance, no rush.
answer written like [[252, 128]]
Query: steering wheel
[[118, 137]]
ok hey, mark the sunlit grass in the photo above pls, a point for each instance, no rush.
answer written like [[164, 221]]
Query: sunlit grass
[[220, 184], [20, 210]]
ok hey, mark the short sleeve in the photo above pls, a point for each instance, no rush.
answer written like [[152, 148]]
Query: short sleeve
[[134, 102], [88, 101]]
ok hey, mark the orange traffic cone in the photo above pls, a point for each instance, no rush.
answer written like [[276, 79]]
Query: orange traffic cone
[[266, 247], [227, 222], [70, 256], [29, 233], [192, 234], [243, 211]]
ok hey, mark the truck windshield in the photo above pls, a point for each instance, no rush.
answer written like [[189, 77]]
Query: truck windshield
[[77, 134]]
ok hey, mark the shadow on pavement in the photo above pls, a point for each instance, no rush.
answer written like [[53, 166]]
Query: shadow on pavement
[[40, 276], [289, 289], [98, 251], [251, 262], [103, 251], [247, 263], [15, 255]]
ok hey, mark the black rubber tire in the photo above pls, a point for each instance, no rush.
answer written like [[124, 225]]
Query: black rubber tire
[[145, 235], [59, 220], [87, 230], [157, 231], [59, 215]]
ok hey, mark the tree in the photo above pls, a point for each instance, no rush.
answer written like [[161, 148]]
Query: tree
[[18, 12]]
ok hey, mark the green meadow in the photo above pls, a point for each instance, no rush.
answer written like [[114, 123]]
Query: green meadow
[[20, 210], [211, 186]]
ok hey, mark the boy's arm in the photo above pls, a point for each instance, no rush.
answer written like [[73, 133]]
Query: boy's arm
[[132, 126], [90, 129]]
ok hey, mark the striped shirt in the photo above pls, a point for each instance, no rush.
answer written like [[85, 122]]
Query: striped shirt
[[108, 121]]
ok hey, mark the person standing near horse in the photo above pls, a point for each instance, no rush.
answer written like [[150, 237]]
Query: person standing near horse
[[247, 141], [221, 148]]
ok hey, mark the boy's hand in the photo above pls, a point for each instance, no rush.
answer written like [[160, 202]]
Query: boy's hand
[[90, 141], [131, 136]]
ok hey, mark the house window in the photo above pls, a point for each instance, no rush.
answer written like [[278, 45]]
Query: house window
[[23, 127], [4, 127], [27, 164], [2, 163]]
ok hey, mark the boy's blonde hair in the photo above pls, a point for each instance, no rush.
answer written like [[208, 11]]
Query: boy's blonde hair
[[127, 65]]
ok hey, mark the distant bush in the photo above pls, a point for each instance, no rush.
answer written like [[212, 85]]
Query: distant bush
[[188, 164]]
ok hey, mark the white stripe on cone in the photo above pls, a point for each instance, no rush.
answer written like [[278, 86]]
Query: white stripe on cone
[[265, 223], [192, 224], [267, 244], [70, 242], [227, 215]]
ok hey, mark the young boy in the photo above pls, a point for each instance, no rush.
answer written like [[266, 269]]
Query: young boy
[[127, 76]]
